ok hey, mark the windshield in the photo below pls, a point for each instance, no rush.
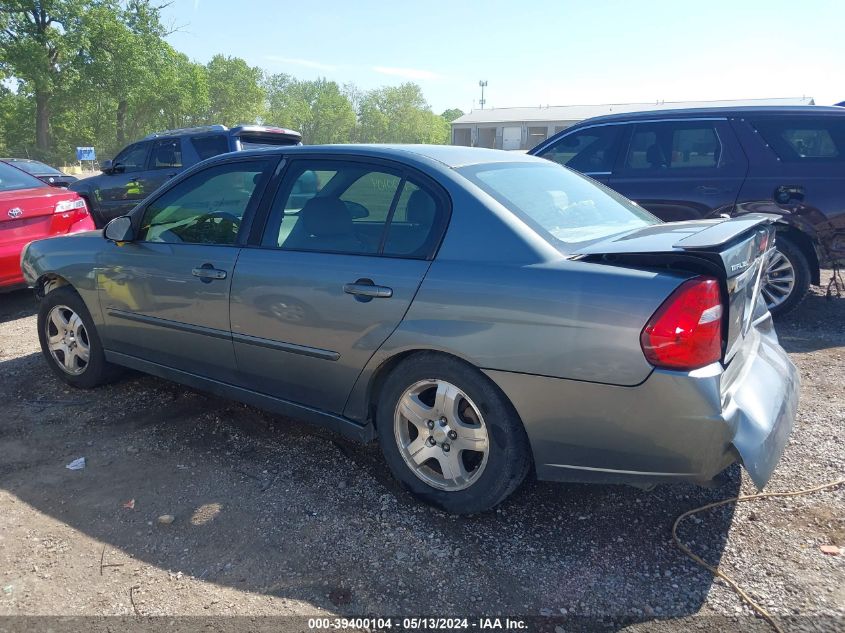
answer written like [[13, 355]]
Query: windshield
[[34, 167], [562, 206], [12, 178]]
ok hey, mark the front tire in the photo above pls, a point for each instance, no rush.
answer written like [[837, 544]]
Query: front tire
[[69, 340], [786, 279], [449, 435]]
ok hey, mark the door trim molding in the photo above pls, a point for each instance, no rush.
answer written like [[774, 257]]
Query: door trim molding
[[293, 348], [167, 323], [303, 350]]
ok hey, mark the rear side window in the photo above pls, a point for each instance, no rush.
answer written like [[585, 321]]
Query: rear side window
[[805, 139], [208, 146], [675, 145], [355, 209], [167, 153], [592, 150]]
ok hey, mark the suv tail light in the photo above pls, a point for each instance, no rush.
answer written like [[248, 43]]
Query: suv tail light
[[686, 331]]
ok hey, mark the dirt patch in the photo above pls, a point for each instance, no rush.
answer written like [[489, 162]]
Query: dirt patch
[[272, 517]]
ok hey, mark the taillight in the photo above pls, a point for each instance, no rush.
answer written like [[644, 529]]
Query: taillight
[[63, 206], [686, 330]]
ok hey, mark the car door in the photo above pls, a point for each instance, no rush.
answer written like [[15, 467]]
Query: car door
[[165, 295], [681, 169], [798, 171], [118, 192], [344, 251], [591, 150]]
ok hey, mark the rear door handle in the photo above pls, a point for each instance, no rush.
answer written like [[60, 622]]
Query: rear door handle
[[207, 273], [366, 290], [710, 190]]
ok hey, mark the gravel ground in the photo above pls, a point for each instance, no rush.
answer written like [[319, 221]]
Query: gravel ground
[[272, 517]]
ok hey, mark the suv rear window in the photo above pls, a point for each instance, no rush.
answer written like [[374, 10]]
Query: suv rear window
[[208, 146], [804, 139]]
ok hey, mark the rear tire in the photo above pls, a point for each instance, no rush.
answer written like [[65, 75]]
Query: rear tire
[[449, 434], [787, 278], [69, 341]]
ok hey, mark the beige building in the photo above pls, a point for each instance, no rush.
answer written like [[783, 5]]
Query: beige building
[[523, 128]]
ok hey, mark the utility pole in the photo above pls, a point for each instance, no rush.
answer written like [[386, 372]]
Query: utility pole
[[483, 84]]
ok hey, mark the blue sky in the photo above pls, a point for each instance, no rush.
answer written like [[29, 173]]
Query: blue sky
[[533, 52]]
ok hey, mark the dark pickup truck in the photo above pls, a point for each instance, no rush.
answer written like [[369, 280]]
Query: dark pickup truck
[[703, 163], [142, 167]]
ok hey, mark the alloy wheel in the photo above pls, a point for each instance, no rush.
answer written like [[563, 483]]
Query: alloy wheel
[[441, 435], [778, 280], [67, 340]]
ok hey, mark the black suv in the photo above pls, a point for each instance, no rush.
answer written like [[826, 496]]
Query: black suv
[[142, 167], [691, 164]]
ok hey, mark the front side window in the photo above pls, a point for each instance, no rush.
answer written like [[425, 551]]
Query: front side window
[[207, 208], [352, 208], [167, 153], [805, 139], [592, 150], [674, 145], [561, 206], [132, 158]]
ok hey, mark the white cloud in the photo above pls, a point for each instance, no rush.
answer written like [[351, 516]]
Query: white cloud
[[407, 73], [308, 63]]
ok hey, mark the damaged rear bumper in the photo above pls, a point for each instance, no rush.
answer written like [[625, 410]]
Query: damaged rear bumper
[[674, 426]]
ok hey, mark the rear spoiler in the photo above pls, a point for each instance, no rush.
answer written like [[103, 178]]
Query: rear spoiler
[[723, 232], [267, 132]]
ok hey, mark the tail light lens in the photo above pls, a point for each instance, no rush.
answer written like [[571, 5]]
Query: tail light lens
[[63, 206], [686, 331]]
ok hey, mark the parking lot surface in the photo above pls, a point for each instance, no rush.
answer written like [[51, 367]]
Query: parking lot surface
[[272, 517]]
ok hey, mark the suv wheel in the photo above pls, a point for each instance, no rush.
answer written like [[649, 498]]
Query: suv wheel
[[69, 340], [786, 278], [450, 435]]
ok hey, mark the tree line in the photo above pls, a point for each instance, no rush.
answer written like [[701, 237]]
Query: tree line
[[100, 73]]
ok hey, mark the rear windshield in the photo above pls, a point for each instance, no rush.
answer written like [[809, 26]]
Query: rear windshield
[[12, 178], [562, 206], [34, 167]]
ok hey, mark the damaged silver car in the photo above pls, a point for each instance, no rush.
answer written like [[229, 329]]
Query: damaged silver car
[[484, 315]]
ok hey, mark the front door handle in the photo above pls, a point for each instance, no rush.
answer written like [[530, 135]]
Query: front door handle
[[207, 273], [365, 290]]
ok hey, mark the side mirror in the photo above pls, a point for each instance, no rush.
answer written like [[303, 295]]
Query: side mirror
[[107, 167], [119, 230]]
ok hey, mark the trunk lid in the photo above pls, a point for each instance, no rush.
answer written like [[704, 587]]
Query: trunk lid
[[29, 214], [734, 250]]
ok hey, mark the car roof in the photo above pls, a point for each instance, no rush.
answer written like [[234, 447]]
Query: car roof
[[720, 112], [449, 155]]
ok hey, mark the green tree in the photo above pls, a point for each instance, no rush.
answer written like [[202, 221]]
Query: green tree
[[318, 109], [234, 90], [40, 42], [400, 114], [451, 114]]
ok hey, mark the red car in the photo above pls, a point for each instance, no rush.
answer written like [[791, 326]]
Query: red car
[[31, 210]]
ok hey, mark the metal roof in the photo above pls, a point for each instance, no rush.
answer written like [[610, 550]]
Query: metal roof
[[581, 112]]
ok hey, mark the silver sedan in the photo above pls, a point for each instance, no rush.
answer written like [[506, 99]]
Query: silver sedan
[[484, 315]]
